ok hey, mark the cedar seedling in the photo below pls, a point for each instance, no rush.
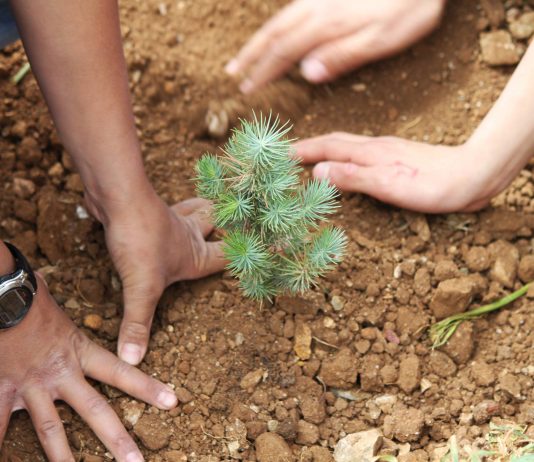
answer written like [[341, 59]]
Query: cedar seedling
[[273, 240]]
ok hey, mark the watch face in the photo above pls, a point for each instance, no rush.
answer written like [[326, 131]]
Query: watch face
[[14, 304]]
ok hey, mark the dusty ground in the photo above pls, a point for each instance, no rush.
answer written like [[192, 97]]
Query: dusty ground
[[369, 318]]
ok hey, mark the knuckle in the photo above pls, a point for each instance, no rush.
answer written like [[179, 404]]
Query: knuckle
[[8, 392], [280, 50], [134, 329], [121, 370], [57, 366], [50, 428], [349, 169], [123, 443], [96, 405]]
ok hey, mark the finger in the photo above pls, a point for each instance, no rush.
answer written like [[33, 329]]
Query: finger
[[350, 177], [339, 147], [105, 367], [392, 183], [140, 303], [5, 414], [199, 216], [213, 260], [339, 56], [281, 54], [287, 19], [48, 426], [99, 415], [190, 206], [203, 220]]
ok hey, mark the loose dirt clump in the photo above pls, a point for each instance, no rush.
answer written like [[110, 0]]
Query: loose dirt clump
[[289, 381]]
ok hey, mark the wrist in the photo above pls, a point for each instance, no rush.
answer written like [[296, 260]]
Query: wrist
[[494, 165], [109, 204]]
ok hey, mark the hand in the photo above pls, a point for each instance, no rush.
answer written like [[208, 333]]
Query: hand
[[153, 246], [417, 176], [45, 358], [331, 37]]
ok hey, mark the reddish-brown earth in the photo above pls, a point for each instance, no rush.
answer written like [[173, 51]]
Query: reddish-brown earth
[[229, 358]]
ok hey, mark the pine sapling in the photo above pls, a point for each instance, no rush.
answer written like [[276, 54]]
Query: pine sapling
[[273, 238]]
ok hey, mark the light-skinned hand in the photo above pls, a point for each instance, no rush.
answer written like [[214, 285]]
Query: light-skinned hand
[[46, 358], [331, 37], [417, 176]]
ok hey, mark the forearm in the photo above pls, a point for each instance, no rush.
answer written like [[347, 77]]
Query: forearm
[[504, 141], [76, 53]]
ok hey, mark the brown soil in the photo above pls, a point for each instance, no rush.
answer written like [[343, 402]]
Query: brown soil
[[231, 359]]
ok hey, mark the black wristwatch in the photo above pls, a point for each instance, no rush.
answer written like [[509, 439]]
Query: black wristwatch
[[16, 291]]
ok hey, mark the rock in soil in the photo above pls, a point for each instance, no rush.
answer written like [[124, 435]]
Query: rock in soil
[[523, 28], [340, 370], [452, 296], [93, 321], [307, 433], [184, 395], [477, 259], [271, 447], [132, 412], [482, 373], [404, 425], [411, 321], [505, 263], [461, 345], [442, 365], [313, 408], [303, 340], [485, 410], [308, 303], [526, 269], [153, 432], [409, 373], [510, 385], [498, 49], [361, 446], [250, 380], [315, 454]]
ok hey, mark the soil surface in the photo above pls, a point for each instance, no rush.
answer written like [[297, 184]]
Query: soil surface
[[233, 363]]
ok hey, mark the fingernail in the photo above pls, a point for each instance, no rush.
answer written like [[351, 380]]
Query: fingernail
[[313, 70], [232, 67], [131, 353], [322, 170], [134, 457], [167, 399], [246, 86]]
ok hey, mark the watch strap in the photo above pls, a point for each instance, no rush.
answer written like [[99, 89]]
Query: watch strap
[[20, 264]]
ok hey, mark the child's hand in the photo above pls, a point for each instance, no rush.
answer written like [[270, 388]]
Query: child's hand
[[417, 176], [152, 246], [331, 37]]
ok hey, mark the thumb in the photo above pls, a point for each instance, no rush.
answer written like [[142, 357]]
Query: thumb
[[345, 175], [337, 57], [139, 306]]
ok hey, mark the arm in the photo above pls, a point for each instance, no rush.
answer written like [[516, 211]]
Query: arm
[[436, 179], [75, 50], [76, 54]]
